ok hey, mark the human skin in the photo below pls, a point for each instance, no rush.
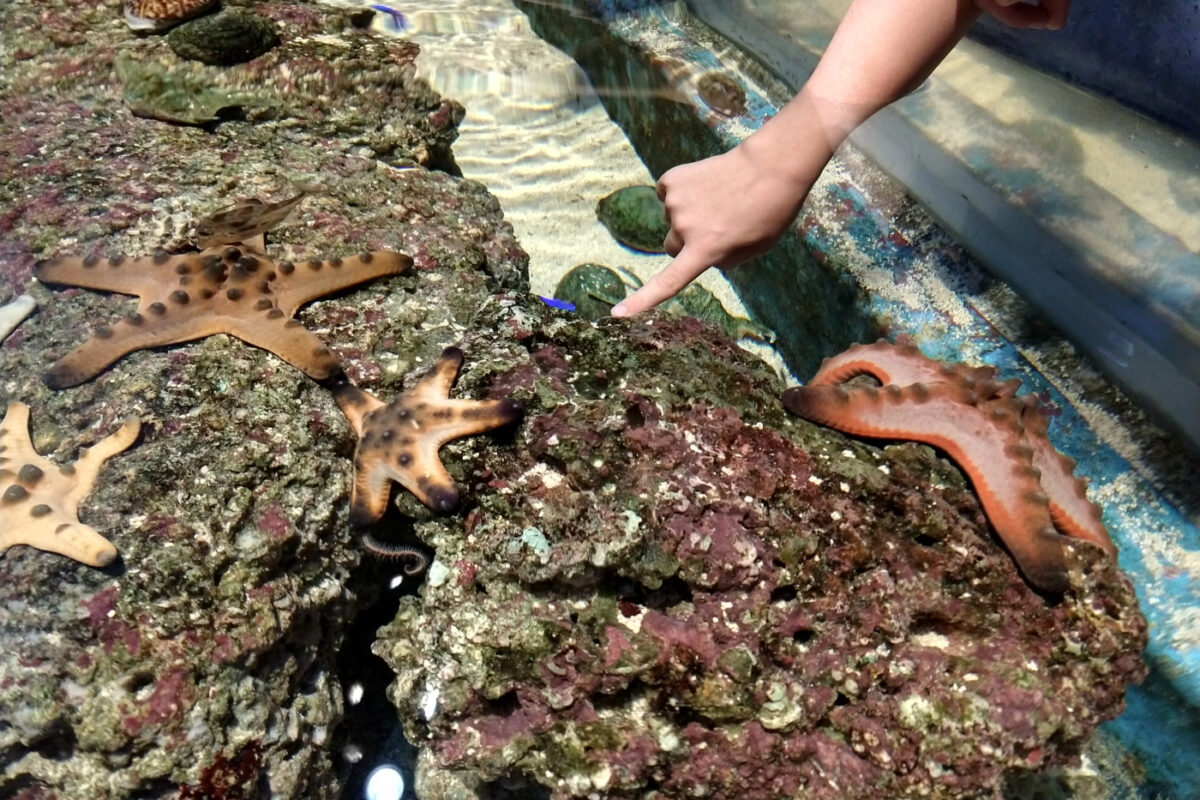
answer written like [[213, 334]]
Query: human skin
[[729, 208]]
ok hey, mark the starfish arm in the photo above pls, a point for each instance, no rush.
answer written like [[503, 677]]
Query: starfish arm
[[434, 386], [12, 428], [902, 364], [428, 479], [306, 281], [287, 339], [136, 276], [133, 332], [71, 539], [1072, 512], [454, 419], [38, 500], [91, 459], [371, 490], [985, 443], [450, 419], [888, 363], [355, 404]]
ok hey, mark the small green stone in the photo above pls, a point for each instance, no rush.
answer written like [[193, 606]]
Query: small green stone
[[231, 37], [635, 217]]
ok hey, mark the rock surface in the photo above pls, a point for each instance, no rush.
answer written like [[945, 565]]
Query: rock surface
[[672, 587], [201, 664]]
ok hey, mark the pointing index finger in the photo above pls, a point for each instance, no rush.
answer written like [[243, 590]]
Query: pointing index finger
[[684, 269]]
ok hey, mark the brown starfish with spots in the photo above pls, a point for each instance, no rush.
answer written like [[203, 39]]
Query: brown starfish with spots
[[39, 501], [399, 441], [225, 289], [1026, 487]]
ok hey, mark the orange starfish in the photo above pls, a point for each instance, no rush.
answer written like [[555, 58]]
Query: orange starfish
[[1027, 488], [225, 289], [399, 441], [39, 501]]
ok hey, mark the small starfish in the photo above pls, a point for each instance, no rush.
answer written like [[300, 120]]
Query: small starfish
[[39, 502], [224, 289], [1026, 487], [244, 220], [399, 441]]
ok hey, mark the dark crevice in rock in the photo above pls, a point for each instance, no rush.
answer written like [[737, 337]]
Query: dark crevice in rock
[[369, 726], [512, 787], [153, 789]]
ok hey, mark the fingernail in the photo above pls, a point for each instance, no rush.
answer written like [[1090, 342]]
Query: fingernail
[[619, 310]]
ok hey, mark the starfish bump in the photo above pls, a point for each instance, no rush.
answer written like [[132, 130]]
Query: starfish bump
[[399, 441], [224, 289], [1026, 487], [39, 502]]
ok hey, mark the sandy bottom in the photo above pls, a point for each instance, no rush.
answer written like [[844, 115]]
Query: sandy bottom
[[537, 136]]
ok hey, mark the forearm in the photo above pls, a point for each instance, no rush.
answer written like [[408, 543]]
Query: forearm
[[881, 50]]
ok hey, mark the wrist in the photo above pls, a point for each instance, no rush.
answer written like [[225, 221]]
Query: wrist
[[796, 143]]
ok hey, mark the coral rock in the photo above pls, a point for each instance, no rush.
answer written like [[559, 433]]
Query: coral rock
[[635, 217], [675, 584]]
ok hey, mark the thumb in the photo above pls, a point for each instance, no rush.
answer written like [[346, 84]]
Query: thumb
[[684, 269]]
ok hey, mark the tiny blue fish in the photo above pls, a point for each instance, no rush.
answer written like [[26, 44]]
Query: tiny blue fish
[[555, 303], [398, 22]]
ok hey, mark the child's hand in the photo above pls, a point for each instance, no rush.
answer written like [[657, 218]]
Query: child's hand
[[729, 208], [722, 211]]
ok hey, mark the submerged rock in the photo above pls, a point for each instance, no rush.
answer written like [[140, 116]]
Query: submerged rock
[[230, 37], [666, 583], [593, 288], [174, 95], [635, 217], [722, 93]]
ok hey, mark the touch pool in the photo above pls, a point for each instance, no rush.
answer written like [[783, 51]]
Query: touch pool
[[202, 662]]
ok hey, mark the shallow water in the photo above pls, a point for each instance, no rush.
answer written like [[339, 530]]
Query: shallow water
[[537, 135]]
